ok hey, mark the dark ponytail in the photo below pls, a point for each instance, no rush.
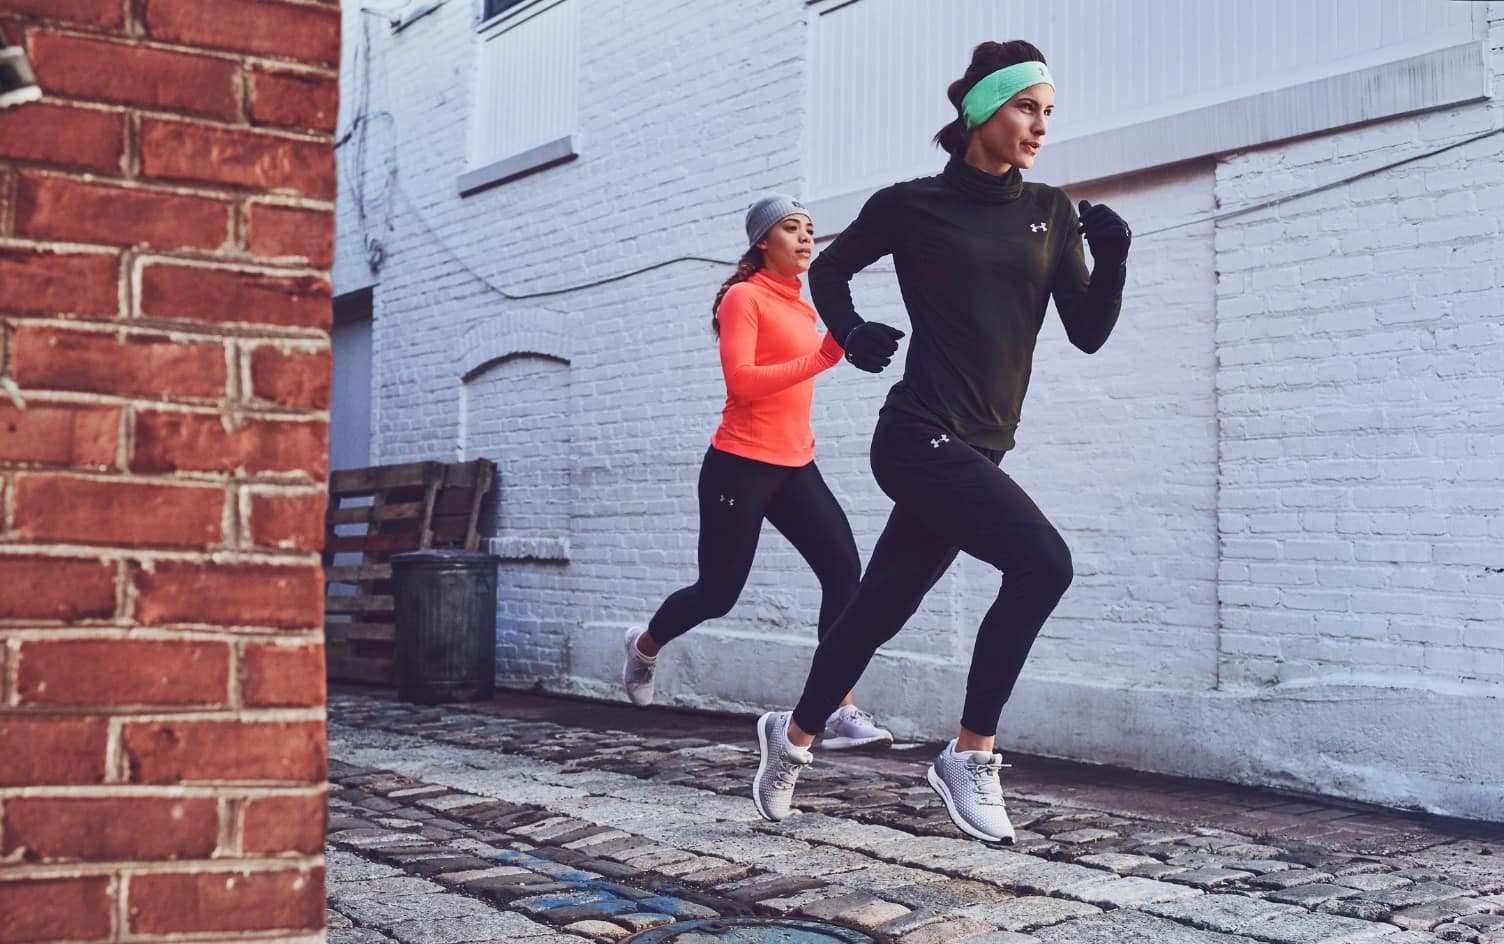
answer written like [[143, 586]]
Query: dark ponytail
[[985, 60], [746, 267]]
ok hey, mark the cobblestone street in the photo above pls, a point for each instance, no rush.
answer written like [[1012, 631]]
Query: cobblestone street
[[544, 820]]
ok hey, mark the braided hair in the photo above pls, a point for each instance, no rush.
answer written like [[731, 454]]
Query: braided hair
[[746, 267]]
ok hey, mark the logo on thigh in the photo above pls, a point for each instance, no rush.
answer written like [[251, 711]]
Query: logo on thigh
[[938, 441], [729, 502]]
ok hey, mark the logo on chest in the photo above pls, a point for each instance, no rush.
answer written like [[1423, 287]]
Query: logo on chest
[[1038, 227]]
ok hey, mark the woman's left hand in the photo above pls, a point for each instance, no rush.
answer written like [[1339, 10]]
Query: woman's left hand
[[1106, 233]]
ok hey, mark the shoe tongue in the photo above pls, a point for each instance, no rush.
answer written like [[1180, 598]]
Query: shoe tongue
[[977, 757], [800, 754]]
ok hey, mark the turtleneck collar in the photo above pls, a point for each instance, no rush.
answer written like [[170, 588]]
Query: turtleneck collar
[[787, 285], [980, 185]]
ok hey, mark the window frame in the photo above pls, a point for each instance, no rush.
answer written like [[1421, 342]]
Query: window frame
[[478, 177]]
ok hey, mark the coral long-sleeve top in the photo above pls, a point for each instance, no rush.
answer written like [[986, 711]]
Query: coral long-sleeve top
[[771, 351]]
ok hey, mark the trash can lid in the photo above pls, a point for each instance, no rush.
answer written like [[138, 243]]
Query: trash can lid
[[444, 555]]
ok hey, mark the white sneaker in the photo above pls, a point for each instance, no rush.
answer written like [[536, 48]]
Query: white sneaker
[[852, 727], [779, 768], [637, 671], [968, 783]]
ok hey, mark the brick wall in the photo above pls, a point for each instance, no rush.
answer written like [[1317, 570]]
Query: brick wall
[[1360, 380], [165, 229]]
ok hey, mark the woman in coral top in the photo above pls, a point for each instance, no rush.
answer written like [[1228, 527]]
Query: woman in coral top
[[760, 465]]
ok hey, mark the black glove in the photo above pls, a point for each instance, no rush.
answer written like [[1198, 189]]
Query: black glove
[[871, 345], [1106, 232]]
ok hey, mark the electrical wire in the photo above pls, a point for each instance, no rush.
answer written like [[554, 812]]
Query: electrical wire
[[1312, 191], [361, 120]]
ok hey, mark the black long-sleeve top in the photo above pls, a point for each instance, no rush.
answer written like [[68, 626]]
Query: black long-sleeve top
[[978, 257]]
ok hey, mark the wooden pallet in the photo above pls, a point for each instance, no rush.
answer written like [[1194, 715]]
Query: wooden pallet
[[374, 513]]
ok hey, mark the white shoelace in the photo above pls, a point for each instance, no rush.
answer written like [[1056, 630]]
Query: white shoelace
[[642, 669], [987, 781], [858, 714], [788, 774]]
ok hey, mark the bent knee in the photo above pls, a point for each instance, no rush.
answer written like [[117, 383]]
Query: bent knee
[[1054, 565]]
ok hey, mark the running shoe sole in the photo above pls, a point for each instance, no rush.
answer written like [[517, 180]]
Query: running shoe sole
[[762, 764], [842, 744], [938, 785]]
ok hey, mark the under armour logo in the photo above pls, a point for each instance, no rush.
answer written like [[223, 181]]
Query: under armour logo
[[935, 443], [1038, 227], [728, 501]]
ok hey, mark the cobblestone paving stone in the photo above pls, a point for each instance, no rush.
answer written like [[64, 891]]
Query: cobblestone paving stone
[[450, 825]]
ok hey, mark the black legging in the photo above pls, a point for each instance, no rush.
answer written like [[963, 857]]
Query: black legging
[[948, 497], [736, 494]]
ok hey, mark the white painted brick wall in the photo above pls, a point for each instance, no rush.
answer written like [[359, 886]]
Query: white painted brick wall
[[1282, 470], [1361, 399]]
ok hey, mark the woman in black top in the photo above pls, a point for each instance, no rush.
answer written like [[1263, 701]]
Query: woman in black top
[[978, 253]]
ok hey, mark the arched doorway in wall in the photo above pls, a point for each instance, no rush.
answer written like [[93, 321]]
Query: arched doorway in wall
[[514, 410]]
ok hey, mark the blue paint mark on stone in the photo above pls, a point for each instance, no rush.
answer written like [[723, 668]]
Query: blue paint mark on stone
[[563, 873], [677, 907], [551, 900]]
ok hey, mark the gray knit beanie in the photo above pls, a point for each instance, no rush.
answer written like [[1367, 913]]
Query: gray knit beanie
[[765, 213]]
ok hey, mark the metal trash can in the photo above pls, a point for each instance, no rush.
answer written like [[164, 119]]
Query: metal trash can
[[445, 603]]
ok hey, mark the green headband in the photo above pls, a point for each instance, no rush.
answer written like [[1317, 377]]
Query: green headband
[[993, 91]]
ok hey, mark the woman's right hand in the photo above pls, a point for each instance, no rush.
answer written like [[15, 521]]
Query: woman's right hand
[[871, 345]]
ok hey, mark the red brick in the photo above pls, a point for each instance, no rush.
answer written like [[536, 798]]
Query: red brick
[[292, 378], [165, 752], [146, 365], [55, 909], [276, 825], [51, 751], [42, 282], [265, 27], [283, 231], [61, 135], [177, 150], [301, 100], [56, 588], [291, 522], [123, 672], [59, 434], [121, 73], [93, 12], [289, 899], [116, 513], [231, 595], [282, 676], [221, 296], [67, 210], [53, 829], [169, 442]]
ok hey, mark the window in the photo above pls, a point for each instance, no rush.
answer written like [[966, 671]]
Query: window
[[497, 8], [524, 110]]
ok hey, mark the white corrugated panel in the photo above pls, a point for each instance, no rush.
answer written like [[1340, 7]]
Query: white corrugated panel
[[879, 68], [527, 86]]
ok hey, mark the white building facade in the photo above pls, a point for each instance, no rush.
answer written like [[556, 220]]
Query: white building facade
[[1282, 479]]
